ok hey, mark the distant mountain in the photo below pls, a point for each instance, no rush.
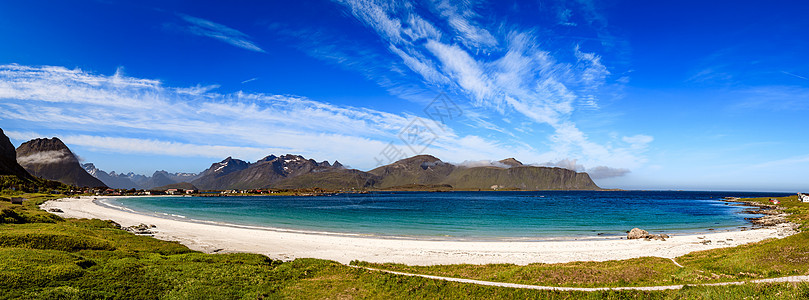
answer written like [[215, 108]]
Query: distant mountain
[[418, 170], [210, 179], [8, 160], [137, 181], [179, 186], [426, 170], [295, 171], [519, 177], [271, 171], [335, 179], [111, 179], [183, 177], [52, 159], [159, 178]]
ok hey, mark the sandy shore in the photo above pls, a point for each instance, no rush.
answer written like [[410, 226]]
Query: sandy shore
[[290, 245]]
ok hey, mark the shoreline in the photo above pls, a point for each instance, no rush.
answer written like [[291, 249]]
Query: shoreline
[[210, 237]]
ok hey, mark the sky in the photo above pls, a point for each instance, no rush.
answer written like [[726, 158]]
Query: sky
[[684, 95]]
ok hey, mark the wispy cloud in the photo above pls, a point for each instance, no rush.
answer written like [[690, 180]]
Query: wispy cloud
[[504, 70], [770, 98], [206, 28], [122, 114], [250, 80], [794, 75]]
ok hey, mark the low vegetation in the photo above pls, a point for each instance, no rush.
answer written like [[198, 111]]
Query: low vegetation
[[46, 257]]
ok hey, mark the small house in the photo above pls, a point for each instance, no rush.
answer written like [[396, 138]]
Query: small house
[[17, 200], [172, 191], [190, 191], [803, 197]]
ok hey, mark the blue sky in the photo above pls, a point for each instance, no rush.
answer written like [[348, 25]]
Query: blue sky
[[687, 95]]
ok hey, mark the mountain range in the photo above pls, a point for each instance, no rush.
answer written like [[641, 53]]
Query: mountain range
[[51, 159], [137, 181], [418, 172]]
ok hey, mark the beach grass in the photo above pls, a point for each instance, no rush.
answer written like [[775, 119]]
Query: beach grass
[[46, 257], [644, 271]]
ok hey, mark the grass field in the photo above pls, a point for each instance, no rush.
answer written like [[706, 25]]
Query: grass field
[[43, 256]]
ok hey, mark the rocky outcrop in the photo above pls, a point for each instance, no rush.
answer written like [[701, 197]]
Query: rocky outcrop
[[772, 214]]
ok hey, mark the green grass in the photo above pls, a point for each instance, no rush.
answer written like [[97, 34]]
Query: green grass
[[47, 257], [645, 271]]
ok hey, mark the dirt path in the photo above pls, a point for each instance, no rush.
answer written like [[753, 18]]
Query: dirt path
[[584, 289]]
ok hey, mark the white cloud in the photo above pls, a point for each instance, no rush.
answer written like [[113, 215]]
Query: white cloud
[[482, 163], [206, 28], [460, 66], [47, 157], [460, 18]]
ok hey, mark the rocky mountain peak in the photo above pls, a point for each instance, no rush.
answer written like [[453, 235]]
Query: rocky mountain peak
[[227, 165], [52, 159], [45, 151], [91, 169]]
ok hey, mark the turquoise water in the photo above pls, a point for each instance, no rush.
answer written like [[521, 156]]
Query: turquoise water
[[464, 214]]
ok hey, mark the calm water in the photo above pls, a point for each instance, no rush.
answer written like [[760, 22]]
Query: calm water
[[465, 214]]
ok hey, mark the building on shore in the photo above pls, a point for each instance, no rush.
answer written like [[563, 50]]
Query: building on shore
[[803, 197]]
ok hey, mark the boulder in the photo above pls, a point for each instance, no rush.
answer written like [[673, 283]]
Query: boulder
[[637, 233]]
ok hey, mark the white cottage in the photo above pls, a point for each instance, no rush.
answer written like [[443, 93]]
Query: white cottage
[[803, 197]]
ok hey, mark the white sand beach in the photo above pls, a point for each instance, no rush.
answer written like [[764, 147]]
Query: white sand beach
[[286, 245]]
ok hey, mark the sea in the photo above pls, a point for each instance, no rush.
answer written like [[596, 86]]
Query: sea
[[497, 215]]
